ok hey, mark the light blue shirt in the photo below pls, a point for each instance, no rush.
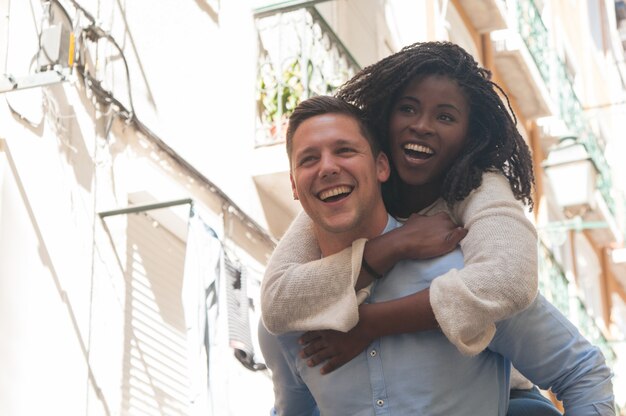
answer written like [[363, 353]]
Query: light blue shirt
[[422, 373]]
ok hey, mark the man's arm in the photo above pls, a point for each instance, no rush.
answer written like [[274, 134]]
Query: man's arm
[[291, 395], [548, 349]]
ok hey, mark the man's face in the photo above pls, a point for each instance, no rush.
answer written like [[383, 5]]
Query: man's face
[[334, 174]]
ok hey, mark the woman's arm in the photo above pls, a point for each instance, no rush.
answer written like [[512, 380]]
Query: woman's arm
[[334, 348], [421, 237], [302, 292], [499, 279], [500, 276]]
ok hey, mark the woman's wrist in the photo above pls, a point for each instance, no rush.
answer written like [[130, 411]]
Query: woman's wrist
[[397, 245], [364, 326], [384, 251]]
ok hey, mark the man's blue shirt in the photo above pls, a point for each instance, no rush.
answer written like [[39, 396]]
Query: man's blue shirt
[[423, 373]]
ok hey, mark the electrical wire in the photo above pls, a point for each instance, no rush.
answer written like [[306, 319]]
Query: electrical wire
[[64, 11], [33, 125], [93, 33], [47, 14], [83, 11]]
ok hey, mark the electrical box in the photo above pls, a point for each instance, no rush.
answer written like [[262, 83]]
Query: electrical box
[[55, 48]]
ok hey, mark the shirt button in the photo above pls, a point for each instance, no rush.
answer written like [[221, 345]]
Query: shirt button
[[380, 403], [373, 353]]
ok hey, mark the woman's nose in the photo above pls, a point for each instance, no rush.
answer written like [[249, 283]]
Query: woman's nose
[[422, 125]]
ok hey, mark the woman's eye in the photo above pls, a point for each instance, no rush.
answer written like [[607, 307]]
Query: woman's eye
[[446, 117], [406, 109]]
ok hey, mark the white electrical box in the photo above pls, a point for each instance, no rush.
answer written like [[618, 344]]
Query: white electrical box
[[54, 48]]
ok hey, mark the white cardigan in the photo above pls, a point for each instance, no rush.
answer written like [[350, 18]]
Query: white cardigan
[[302, 292]]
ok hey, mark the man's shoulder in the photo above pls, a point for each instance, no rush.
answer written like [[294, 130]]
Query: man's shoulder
[[392, 223]]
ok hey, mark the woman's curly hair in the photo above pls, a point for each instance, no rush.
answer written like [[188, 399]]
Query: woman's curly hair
[[493, 143]]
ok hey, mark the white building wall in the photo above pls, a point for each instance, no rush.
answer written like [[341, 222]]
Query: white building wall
[[67, 287], [42, 356]]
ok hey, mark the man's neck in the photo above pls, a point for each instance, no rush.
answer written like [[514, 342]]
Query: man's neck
[[332, 243]]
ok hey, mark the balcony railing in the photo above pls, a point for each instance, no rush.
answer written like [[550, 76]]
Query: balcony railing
[[553, 71], [299, 56], [556, 288]]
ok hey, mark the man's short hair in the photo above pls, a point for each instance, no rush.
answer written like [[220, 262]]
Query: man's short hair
[[325, 104]]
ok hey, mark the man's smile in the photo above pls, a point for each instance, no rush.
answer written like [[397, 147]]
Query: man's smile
[[335, 194]]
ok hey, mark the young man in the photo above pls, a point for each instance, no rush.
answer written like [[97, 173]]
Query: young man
[[336, 171]]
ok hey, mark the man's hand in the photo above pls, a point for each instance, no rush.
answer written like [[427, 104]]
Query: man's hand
[[334, 347], [424, 237]]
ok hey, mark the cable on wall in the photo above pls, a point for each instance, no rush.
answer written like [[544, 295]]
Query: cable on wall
[[92, 33]]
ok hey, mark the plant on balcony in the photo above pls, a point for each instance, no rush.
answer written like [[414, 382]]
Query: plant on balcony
[[279, 96]]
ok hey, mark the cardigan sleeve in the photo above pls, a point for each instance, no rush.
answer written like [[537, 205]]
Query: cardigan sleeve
[[500, 273], [301, 292]]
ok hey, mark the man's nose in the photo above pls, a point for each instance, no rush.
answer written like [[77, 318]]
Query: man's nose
[[328, 167]]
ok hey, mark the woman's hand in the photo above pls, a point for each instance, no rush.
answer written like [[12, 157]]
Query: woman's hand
[[333, 347], [426, 237]]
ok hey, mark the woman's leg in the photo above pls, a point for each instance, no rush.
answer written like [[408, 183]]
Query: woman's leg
[[530, 403]]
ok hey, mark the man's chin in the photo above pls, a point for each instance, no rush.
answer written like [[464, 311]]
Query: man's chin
[[339, 225]]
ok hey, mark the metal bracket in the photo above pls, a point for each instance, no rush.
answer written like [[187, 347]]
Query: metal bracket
[[141, 208], [40, 79]]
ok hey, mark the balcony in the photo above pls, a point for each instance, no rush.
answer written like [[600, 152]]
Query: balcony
[[567, 108], [486, 15], [519, 72], [520, 57], [299, 56]]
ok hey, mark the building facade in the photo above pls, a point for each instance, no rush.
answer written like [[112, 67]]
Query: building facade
[[144, 182]]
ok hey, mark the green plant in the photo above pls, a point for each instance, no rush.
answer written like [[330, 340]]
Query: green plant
[[279, 97]]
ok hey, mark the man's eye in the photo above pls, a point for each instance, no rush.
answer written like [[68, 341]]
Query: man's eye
[[307, 160], [346, 150]]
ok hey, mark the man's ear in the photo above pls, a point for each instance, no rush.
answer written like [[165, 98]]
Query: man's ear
[[382, 167], [293, 188]]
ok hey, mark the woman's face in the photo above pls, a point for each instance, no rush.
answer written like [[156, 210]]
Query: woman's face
[[428, 127]]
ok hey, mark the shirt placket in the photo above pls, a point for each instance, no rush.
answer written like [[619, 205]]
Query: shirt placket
[[380, 401]]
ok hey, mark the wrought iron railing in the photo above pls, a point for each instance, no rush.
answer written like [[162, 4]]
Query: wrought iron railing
[[535, 35], [556, 288], [299, 56]]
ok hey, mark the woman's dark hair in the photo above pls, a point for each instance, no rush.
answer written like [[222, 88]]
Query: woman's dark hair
[[493, 142]]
